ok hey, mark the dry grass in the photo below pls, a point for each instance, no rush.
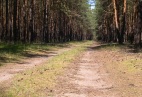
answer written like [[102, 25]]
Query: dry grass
[[124, 67], [41, 81]]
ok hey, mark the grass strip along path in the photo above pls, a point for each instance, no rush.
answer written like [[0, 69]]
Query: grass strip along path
[[41, 80], [124, 67]]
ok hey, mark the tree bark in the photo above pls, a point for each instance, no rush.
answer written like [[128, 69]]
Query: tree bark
[[7, 24], [116, 21], [15, 21], [123, 21]]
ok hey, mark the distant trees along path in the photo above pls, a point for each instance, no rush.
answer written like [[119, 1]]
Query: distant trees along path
[[49, 21], [119, 21], [44, 20]]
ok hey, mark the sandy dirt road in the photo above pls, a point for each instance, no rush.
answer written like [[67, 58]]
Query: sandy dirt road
[[9, 71], [86, 78], [103, 71], [94, 73]]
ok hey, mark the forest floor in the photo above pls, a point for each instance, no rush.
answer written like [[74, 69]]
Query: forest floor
[[11, 69], [102, 70]]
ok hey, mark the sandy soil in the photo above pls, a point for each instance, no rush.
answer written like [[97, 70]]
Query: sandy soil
[[11, 69], [85, 78], [99, 72], [95, 73]]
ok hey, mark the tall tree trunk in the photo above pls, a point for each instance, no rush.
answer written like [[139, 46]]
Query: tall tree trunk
[[15, 21], [32, 21], [123, 21], [2, 20], [7, 17], [116, 21], [24, 20], [45, 23], [140, 22]]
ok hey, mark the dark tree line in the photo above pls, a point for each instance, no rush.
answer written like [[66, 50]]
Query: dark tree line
[[119, 21], [47, 21]]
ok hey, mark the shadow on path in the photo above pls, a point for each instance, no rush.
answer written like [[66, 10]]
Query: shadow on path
[[125, 47]]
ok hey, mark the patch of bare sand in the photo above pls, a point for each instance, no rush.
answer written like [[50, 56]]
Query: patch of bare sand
[[125, 73], [85, 78], [101, 72], [10, 70]]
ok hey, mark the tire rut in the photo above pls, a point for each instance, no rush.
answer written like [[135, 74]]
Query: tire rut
[[86, 79]]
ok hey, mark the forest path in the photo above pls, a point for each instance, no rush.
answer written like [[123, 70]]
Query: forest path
[[10, 70], [85, 78]]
